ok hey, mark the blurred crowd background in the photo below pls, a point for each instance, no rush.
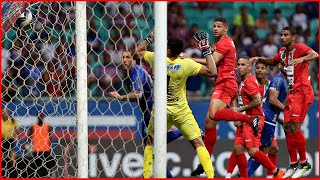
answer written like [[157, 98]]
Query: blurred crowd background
[[39, 60]]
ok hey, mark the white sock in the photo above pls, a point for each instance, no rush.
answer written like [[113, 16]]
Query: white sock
[[228, 175], [269, 176]]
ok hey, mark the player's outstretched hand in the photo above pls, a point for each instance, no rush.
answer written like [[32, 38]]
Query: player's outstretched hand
[[115, 95], [183, 55], [297, 61], [202, 43], [253, 59]]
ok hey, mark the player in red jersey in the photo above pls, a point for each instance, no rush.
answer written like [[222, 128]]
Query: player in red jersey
[[294, 57], [250, 103], [263, 81], [226, 87]]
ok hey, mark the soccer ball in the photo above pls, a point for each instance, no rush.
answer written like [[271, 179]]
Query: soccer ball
[[24, 19]]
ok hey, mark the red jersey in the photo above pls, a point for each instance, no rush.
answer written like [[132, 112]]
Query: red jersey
[[247, 90], [227, 65], [301, 76], [263, 89]]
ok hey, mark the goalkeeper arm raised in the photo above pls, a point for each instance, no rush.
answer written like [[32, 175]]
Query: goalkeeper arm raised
[[202, 43], [142, 47]]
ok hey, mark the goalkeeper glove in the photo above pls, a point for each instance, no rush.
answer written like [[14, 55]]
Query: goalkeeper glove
[[149, 39], [202, 43]]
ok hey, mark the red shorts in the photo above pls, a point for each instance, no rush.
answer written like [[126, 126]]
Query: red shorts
[[225, 91], [245, 135], [297, 106]]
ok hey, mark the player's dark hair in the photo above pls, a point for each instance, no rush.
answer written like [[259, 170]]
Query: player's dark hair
[[175, 45], [259, 62], [223, 20], [291, 29]]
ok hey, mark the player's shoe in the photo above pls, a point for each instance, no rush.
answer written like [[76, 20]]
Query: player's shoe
[[255, 125], [198, 171], [302, 168], [279, 174], [291, 170]]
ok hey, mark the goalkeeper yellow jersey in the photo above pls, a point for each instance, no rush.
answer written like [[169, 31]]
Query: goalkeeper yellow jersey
[[178, 71]]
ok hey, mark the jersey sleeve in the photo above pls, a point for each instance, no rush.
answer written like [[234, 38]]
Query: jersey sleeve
[[222, 48], [304, 48], [275, 84], [149, 58], [192, 68], [252, 87]]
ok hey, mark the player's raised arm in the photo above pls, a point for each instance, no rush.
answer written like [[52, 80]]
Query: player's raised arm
[[202, 42], [264, 60], [216, 57], [142, 46], [198, 60], [311, 56]]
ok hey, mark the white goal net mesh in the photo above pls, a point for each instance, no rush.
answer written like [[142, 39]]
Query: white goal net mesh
[[39, 75]]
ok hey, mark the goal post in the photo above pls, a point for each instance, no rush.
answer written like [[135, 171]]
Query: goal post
[[82, 90], [160, 90]]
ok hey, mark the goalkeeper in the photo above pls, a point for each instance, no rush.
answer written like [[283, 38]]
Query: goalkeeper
[[141, 90], [178, 111]]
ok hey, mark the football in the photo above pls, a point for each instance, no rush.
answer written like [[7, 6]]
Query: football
[[24, 19]]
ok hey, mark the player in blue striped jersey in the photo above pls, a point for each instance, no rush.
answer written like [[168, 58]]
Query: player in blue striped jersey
[[273, 105]]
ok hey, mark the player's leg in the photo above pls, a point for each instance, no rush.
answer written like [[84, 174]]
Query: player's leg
[[253, 164], [210, 135], [190, 130], [295, 111], [273, 155], [267, 136], [232, 163], [241, 160], [265, 161], [148, 150], [292, 150], [203, 156], [172, 135], [221, 97], [304, 165], [252, 143]]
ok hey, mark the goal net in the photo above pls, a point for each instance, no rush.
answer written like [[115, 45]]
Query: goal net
[[39, 75]]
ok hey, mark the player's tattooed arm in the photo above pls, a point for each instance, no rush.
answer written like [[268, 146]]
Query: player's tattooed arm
[[142, 46], [256, 101]]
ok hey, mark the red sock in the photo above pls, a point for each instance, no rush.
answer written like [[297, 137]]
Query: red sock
[[242, 165], [232, 163], [301, 145], [230, 115], [264, 160], [210, 138], [292, 148], [273, 158]]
